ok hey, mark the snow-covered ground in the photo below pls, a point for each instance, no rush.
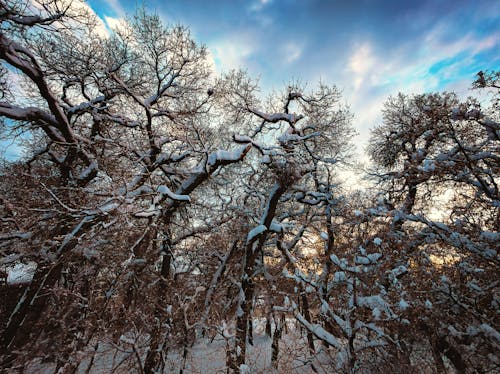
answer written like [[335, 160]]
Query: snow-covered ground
[[208, 356]]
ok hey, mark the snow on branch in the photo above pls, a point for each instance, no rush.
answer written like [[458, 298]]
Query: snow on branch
[[291, 118], [164, 190], [85, 105], [49, 122], [456, 239], [153, 99], [225, 157], [256, 232], [317, 329]]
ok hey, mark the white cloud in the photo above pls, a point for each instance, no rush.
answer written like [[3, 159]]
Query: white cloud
[[292, 52], [211, 61], [361, 63], [362, 59], [117, 7], [231, 53], [113, 22]]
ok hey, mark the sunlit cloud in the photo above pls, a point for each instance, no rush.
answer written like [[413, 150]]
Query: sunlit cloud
[[361, 63]]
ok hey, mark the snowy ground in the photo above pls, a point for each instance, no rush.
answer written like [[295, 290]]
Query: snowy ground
[[209, 356]]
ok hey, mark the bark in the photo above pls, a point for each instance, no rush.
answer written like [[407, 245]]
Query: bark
[[275, 349], [307, 316], [252, 251]]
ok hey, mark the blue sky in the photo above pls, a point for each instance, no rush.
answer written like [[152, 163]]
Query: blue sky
[[369, 48]]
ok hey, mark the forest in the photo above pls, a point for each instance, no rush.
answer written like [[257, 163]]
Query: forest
[[165, 218]]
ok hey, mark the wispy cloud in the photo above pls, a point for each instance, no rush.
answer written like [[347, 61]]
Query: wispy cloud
[[427, 64], [292, 52], [231, 53], [361, 64], [117, 7], [371, 53]]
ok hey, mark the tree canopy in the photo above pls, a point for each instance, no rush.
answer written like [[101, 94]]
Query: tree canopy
[[160, 204]]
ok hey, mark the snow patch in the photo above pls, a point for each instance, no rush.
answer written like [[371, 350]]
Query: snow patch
[[21, 273]]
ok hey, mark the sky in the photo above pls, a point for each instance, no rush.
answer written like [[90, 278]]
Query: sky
[[370, 49]]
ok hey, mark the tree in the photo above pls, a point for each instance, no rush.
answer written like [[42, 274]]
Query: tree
[[430, 146], [161, 205], [123, 134], [111, 146]]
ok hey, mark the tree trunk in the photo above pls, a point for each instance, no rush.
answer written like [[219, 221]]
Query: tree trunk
[[275, 349], [307, 316]]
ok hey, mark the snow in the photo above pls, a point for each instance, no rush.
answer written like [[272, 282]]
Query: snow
[[85, 105], [164, 190], [255, 232], [341, 359], [239, 311], [376, 314], [490, 331], [490, 236], [375, 302], [474, 286], [266, 159], [222, 155], [428, 304], [150, 212], [141, 190], [335, 259], [287, 137], [456, 114], [339, 277], [88, 170], [276, 227], [361, 260], [242, 139], [21, 273], [377, 241], [403, 305], [245, 369], [473, 114], [109, 206], [324, 235], [401, 269], [276, 117], [318, 331], [227, 330], [374, 257], [428, 166]]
